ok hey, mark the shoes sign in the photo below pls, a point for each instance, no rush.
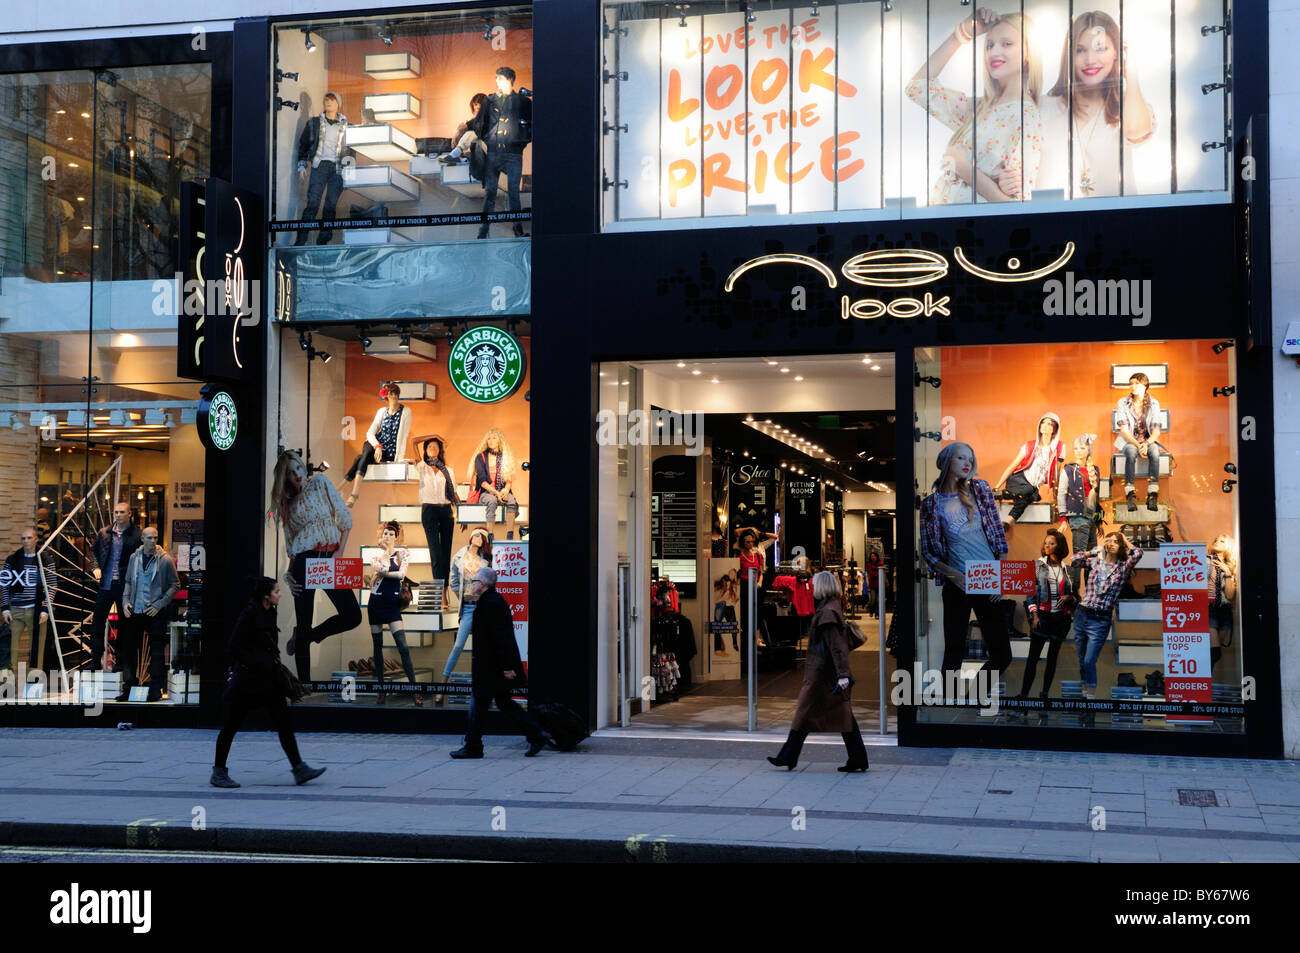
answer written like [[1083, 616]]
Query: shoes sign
[[1185, 624], [1007, 577], [339, 572]]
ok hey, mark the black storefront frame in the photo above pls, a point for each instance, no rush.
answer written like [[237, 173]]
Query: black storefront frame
[[670, 281]]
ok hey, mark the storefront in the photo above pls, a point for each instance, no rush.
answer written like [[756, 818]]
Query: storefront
[[745, 231]]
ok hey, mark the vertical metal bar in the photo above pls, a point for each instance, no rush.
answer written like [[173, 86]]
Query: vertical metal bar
[[751, 647], [624, 574], [880, 610]]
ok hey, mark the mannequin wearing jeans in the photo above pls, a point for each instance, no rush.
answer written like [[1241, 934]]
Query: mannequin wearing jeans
[[1076, 500], [1109, 568], [960, 524], [1139, 436], [1036, 463], [469, 559], [322, 147]]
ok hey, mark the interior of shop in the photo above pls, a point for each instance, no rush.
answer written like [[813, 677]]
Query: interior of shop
[[797, 452], [330, 382], [970, 395]]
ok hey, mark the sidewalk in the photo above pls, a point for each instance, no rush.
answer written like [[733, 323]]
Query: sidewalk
[[624, 798]]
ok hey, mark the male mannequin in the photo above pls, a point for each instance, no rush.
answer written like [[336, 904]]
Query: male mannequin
[[322, 145], [112, 550], [23, 600], [151, 584], [509, 129]]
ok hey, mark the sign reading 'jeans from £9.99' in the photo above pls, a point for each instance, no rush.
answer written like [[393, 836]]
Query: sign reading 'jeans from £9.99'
[[340, 572], [1184, 612]]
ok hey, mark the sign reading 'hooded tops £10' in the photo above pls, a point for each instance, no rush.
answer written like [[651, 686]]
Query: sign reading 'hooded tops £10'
[[486, 364]]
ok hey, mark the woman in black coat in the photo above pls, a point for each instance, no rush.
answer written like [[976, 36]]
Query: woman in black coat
[[255, 680], [824, 703]]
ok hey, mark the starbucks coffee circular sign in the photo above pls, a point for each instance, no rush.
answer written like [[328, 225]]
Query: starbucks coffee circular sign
[[486, 364], [223, 421]]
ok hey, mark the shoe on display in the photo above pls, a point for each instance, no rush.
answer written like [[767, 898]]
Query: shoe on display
[[463, 753], [154, 695], [303, 772], [1131, 498], [1153, 501], [221, 779]]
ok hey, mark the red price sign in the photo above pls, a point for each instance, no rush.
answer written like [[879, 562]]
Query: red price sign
[[347, 572], [1018, 578], [1185, 610]]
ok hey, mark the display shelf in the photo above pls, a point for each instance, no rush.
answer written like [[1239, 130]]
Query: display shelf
[[1164, 421], [1141, 515], [1034, 512], [390, 107], [415, 555], [1139, 653], [380, 142], [395, 65], [1138, 610], [408, 513], [381, 183], [477, 513], [390, 473], [1140, 471]]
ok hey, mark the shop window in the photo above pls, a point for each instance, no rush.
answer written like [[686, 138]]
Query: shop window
[[1079, 532], [342, 391], [885, 109], [396, 129]]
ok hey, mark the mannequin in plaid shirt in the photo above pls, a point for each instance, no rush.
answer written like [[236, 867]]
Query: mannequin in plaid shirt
[[1109, 568], [960, 523]]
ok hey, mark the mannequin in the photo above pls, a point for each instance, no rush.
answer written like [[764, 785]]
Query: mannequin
[[468, 133], [438, 499], [960, 524], [389, 568], [1004, 125], [1076, 499], [751, 544], [1223, 594], [322, 145], [493, 468], [316, 524], [1109, 569], [1049, 611], [1139, 435], [1035, 464], [469, 559], [386, 440], [1102, 88], [509, 129]]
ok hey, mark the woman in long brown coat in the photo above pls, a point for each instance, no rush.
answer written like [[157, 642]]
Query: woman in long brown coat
[[824, 702]]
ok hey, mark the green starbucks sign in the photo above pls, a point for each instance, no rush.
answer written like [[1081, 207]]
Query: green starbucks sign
[[486, 364], [222, 423]]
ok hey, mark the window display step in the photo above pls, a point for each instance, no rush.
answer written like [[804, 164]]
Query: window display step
[[1117, 466], [477, 513], [390, 473], [1123, 514], [1034, 512], [381, 183], [1138, 610], [1128, 652]]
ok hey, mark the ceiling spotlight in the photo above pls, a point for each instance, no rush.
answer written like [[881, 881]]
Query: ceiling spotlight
[[771, 363], [324, 356], [85, 115], [750, 15], [681, 363], [405, 340], [487, 29], [768, 421], [715, 381], [875, 367], [365, 340], [321, 467], [783, 466], [785, 370], [798, 377], [307, 40], [386, 34], [681, 9], [304, 340], [1223, 346], [697, 371]]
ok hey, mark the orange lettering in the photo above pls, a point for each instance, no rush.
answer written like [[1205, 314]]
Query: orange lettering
[[760, 172], [729, 76], [813, 70], [832, 152], [716, 168], [677, 109], [782, 167], [810, 31], [769, 79], [808, 114], [681, 173]]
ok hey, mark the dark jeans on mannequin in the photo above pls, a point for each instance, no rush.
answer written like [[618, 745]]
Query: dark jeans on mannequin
[[438, 523], [326, 180], [347, 614], [512, 164], [105, 599], [1024, 494], [957, 608]]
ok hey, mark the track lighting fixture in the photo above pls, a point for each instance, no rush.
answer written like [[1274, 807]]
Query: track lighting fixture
[[307, 40]]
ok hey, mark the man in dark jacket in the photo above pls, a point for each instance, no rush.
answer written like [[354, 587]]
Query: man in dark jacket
[[509, 129], [497, 670], [112, 550], [322, 147]]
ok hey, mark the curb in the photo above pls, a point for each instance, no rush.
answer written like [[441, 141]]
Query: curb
[[472, 847]]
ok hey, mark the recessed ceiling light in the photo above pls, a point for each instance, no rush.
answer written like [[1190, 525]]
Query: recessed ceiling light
[[60, 112], [624, 383], [875, 367], [798, 377], [771, 363], [785, 370], [768, 421], [715, 381], [783, 466], [746, 453], [749, 418], [81, 198], [602, 373], [69, 139], [681, 363], [697, 371], [73, 165], [85, 115]]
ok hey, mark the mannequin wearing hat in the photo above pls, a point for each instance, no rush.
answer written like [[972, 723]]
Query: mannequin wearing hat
[[1036, 463], [322, 148], [960, 524]]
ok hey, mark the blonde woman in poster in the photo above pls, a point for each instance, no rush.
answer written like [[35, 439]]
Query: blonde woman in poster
[[997, 138], [1084, 143]]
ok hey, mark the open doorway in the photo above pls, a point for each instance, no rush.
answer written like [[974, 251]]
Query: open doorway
[[710, 468]]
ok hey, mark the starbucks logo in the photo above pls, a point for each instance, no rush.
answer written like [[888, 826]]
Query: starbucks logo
[[223, 421], [486, 365]]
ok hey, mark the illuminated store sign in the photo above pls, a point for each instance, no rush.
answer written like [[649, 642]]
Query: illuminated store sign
[[486, 364]]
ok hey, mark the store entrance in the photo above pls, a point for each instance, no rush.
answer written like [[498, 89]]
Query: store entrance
[[713, 472]]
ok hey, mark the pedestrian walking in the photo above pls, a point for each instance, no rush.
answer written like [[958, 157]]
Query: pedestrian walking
[[824, 700], [496, 670], [256, 679]]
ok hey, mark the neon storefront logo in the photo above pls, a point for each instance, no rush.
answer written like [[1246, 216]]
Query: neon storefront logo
[[900, 268]]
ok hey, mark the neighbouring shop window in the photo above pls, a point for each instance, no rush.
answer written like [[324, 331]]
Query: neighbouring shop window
[[400, 128], [400, 432], [710, 110], [1079, 529]]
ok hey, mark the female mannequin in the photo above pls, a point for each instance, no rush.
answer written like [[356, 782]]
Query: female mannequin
[[316, 524], [1095, 77], [1035, 463], [1076, 499], [438, 499], [1139, 435], [960, 524], [1109, 568], [389, 568], [386, 440], [751, 545], [493, 468], [1049, 611], [469, 559], [1223, 594], [1004, 124]]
